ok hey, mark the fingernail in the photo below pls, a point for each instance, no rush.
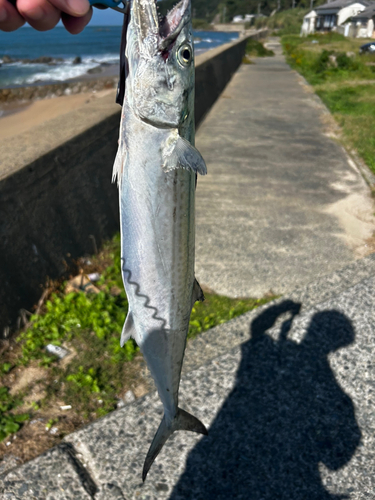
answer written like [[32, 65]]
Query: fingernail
[[3, 14], [78, 7], [35, 14]]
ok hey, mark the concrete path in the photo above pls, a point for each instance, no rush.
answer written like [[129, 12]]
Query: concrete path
[[282, 203]]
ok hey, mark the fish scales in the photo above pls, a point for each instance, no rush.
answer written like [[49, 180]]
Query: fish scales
[[156, 167]]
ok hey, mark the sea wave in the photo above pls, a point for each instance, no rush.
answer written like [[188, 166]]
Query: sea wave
[[59, 71]]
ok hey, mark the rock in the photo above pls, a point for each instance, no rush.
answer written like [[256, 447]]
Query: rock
[[77, 60], [109, 492], [42, 60], [8, 463], [129, 397], [333, 60], [67, 91], [7, 60], [351, 54], [94, 71], [80, 283]]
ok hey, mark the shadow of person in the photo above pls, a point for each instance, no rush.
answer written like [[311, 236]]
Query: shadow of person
[[285, 415]]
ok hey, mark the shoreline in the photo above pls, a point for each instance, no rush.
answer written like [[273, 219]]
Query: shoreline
[[102, 77]]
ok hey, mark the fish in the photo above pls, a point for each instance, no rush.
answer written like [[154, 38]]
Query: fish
[[156, 168]]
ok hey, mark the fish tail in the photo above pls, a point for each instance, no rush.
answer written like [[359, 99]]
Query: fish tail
[[183, 421]]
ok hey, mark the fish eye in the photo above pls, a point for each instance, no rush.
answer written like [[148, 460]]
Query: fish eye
[[184, 55]]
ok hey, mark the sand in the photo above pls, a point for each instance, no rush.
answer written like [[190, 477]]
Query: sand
[[26, 116]]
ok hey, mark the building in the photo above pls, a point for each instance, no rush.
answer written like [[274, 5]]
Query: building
[[362, 25], [331, 15], [336, 13], [308, 24], [247, 18]]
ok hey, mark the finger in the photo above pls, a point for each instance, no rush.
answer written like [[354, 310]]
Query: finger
[[40, 14], [76, 24], [76, 8], [10, 19]]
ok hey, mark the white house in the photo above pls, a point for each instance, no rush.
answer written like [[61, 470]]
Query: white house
[[333, 14], [240, 19], [363, 23], [308, 24], [329, 16]]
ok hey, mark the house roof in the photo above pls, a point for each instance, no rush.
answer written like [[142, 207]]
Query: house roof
[[312, 13], [368, 13], [339, 4]]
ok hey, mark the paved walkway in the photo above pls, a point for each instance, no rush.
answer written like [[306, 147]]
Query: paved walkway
[[282, 203]]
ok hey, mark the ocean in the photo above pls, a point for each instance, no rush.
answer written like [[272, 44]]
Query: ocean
[[95, 46]]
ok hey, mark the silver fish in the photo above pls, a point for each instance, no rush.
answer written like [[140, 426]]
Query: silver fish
[[156, 167]]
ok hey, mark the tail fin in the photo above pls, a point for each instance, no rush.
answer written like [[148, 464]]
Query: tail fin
[[184, 421]]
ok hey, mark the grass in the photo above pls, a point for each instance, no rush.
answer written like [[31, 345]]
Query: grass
[[344, 80], [97, 372], [286, 22], [255, 49]]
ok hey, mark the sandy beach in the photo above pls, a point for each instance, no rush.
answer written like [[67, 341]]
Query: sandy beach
[[24, 116]]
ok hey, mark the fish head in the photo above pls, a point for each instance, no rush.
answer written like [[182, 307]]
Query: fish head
[[161, 64]]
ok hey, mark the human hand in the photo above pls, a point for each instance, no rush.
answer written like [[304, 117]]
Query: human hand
[[43, 15]]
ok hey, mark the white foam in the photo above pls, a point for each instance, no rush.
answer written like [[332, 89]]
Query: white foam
[[64, 70]]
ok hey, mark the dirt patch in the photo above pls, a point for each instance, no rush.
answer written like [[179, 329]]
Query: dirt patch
[[37, 436], [27, 377], [355, 213]]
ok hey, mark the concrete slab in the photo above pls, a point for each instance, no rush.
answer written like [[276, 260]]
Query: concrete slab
[[282, 203], [299, 421], [54, 475], [290, 414]]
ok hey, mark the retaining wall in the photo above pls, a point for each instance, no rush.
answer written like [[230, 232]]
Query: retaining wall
[[52, 206]]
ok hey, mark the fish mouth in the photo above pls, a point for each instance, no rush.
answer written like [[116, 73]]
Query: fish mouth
[[167, 28]]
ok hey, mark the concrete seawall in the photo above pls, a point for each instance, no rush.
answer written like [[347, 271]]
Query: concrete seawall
[[56, 195]]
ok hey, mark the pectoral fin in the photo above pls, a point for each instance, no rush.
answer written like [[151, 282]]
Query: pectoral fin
[[179, 153], [128, 329]]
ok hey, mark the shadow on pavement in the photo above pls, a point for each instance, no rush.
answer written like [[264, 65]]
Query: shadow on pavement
[[285, 415]]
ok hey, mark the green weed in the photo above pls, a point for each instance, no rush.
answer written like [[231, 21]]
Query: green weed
[[341, 78], [285, 22], [255, 48], [5, 367], [90, 325], [9, 422], [216, 310]]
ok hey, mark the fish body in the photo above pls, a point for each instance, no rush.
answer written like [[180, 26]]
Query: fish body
[[156, 167]]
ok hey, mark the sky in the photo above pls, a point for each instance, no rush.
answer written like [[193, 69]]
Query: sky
[[108, 17]]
